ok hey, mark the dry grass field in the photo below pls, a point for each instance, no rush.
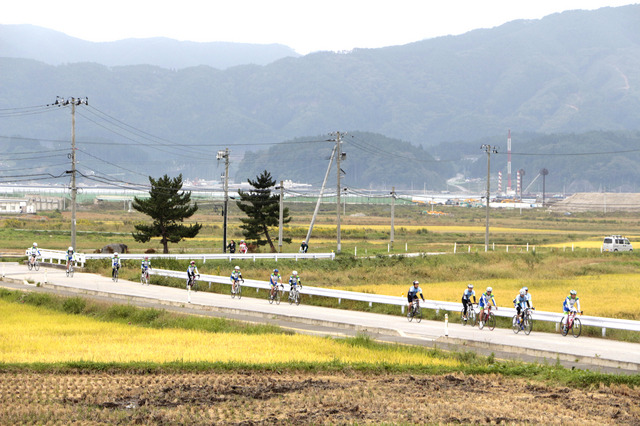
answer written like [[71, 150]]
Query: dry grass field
[[285, 397]]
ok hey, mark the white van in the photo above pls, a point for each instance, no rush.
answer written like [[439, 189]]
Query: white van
[[616, 243]]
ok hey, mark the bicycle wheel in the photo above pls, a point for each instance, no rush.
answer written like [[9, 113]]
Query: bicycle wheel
[[577, 328], [471, 316], [142, 278], [297, 297], [291, 297], [563, 328], [29, 265], [271, 297], [410, 314], [418, 315], [239, 291], [528, 324], [462, 320], [515, 325], [491, 322], [233, 293], [36, 266], [278, 296], [71, 272]]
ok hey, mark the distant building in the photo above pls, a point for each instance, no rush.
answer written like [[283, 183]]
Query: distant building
[[16, 206]]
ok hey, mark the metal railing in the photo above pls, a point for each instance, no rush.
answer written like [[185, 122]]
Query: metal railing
[[58, 255], [555, 317], [215, 256]]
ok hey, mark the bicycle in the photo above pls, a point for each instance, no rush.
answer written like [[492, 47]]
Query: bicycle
[[294, 296], [114, 276], [144, 277], [488, 319], [70, 269], [525, 324], [238, 291], [33, 263], [471, 316], [415, 311], [276, 295], [193, 284], [573, 324]]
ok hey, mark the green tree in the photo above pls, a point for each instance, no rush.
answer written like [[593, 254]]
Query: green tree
[[168, 206], [262, 210]]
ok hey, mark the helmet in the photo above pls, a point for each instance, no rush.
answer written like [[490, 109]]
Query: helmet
[[489, 289], [525, 288], [242, 241], [237, 268], [573, 292], [193, 262], [522, 292], [470, 286], [70, 248], [146, 258], [115, 254], [35, 244], [275, 271], [294, 273], [416, 282]]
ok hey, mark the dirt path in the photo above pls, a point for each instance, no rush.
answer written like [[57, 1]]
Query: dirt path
[[302, 398]]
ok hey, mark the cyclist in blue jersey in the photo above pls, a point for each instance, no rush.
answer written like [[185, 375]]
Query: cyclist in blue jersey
[[115, 264], [466, 299], [413, 293], [485, 300], [69, 255], [571, 304], [236, 276], [294, 281], [521, 303], [33, 252]]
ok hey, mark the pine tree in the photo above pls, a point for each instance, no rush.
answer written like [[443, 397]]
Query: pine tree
[[168, 206], [262, 210]]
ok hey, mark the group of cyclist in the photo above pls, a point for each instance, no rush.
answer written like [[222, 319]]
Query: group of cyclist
[[487, 301], [33, 253]]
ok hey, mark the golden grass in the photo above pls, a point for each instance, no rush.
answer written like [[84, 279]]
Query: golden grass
[[31, 334], [613, 296]]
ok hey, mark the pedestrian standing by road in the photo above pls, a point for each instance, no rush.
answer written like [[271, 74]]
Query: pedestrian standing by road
[[232, 247]]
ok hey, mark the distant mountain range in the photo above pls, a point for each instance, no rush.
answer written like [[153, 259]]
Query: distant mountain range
[[568, 73], [55, 48]]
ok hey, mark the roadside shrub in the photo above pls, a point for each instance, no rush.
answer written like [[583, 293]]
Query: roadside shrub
[[74, 305]]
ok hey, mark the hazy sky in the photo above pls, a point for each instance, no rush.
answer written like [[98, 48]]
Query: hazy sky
[[304, 25]]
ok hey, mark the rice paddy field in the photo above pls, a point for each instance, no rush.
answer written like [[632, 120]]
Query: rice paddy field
[[74, 361]]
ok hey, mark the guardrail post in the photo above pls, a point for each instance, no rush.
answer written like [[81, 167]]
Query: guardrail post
[[204, 260], [455, 246], [604, 332], [254, 258], [370, 304], [446, 324], [339, 300], [469, 249], [507, 248], [527, 247], [402, 309], [209, 285], [557, 327]]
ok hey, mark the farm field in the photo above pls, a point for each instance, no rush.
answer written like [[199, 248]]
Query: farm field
[[300, 397]]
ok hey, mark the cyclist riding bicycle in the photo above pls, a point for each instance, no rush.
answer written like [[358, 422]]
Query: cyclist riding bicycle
[[115, 264], [274, 280], [304, 247], [145, 265], [526, 292], [69, 255], [466, 299], [243, 247], [521, 303], [413, 293], [192, 272], [33, 252], [485, 300], [571, 304], [236, 276], [294, 281]]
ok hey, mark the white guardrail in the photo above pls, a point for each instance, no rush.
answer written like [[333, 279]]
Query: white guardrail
[[556, 317], [81, 258]]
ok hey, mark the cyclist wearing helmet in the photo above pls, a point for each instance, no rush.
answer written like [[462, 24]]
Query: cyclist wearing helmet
[[243, 247], [115, 264], [69, 255], [146, 264], [192, 272], [485, 300], [274, 280], [236, 276], [466, 299], [521, 303], [304, 247], [294, 280], [571, 304], [33, 252], [413, 293]]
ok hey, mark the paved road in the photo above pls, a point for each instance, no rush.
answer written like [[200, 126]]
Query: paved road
[[584, 352]]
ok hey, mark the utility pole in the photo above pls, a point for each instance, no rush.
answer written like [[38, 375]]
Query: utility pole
[[489, 150], [544, 173], [324, 182], [74, 189], [225, 155], [280, 220], [393, 213], [338, 158]]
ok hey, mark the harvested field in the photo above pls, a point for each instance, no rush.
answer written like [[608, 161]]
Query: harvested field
[[298, 397]]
